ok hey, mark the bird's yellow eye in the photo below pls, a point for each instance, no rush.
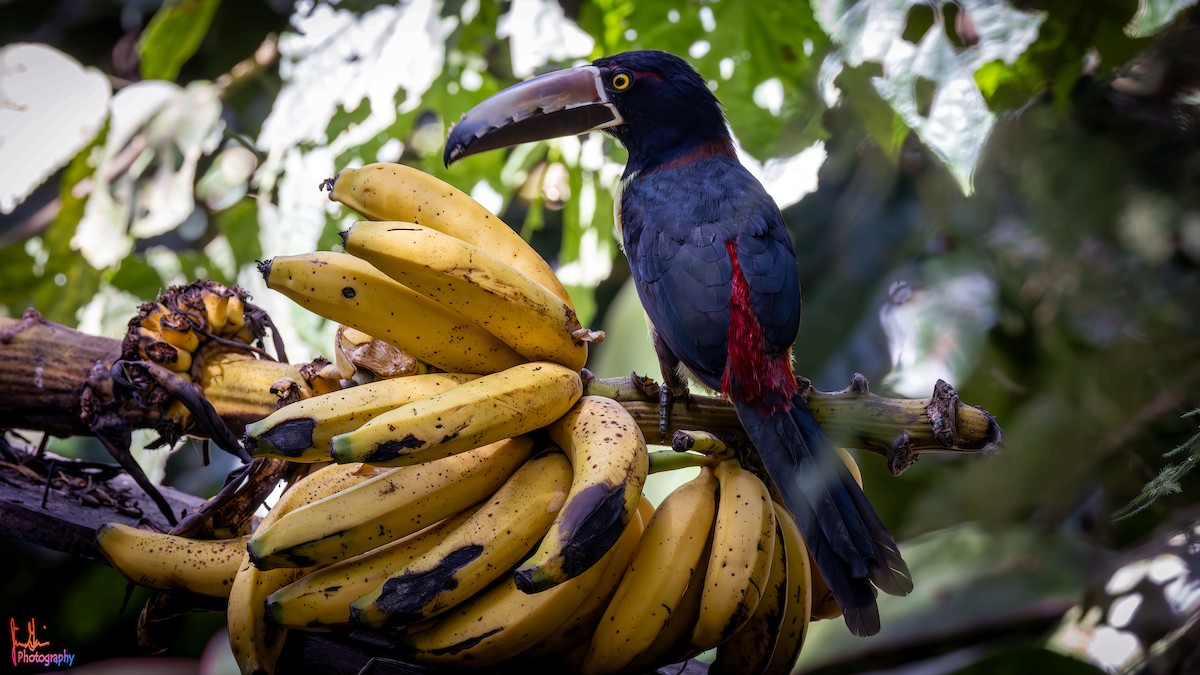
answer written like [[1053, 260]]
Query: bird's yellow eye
[[621, 81]]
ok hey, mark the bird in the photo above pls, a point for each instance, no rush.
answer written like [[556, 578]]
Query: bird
[[716, 273]]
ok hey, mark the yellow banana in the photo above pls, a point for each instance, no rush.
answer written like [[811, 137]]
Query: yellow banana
[[749, 650], [576, 630], [345, 289], [673, 642], [504, 621], [301, 432], [235, 313], [321, 599], [386, 191], [794, 626], [742, 549], [476, 553], [467, 279], [255, 642], [496, 406], [153, 348], [608, 453], [216, 308], [390, 506], [669, 552], [167, 561]]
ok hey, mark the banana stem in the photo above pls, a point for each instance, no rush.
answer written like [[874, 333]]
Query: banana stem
[[53, 375], [897, 429], [55, 379], [670, 460]]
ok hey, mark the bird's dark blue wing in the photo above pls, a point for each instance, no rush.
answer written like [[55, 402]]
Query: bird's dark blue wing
[[681, 269], [676, 222], [765, 256]]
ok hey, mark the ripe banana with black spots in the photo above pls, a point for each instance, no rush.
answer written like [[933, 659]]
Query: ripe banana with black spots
[[167, 561], [673, 643], [742, 549], [385, 191], [348, 290], [749, 651], [610, 463], [671, 548], [389, 506], [256, 643], [576, 630], [321, 599], [474, 554], [526, 315], [504, 621], [794, 626], [496, 406], [301, 431]]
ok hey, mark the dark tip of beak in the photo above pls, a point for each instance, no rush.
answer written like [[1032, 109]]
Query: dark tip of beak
[[562, 103], [454, 151]]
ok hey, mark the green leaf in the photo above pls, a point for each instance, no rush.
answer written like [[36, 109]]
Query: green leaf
[[1154, 14], [45, 272], [137, 277], [173, 36], [1168, 481], [775, 44], [927, 78], [239, 225]]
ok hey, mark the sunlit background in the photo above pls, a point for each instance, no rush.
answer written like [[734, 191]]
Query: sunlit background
[[1002, 195]]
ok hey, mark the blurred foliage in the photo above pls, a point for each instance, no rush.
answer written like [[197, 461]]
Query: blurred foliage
[[1006, 201]]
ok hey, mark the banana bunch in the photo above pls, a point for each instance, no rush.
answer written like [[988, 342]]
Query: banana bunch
[[436, 276], [716, 567], [170, 330], [479, 508]]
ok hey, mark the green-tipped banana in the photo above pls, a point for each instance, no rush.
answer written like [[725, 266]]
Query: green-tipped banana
[[515, 401], [385, 191], [608, 453], [670, 551], [345, 289], [742, 549], [168, 562], [475, 554], [523, 313], [390, 506], [301, 431], [321, 599]]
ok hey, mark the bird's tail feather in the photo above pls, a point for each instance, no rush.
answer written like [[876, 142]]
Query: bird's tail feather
[[851, 546]]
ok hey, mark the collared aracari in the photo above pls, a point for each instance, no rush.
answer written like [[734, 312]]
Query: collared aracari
[[716, 274]]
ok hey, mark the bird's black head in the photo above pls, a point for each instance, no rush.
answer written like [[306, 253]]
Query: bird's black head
[[667, 106], [653, 102]]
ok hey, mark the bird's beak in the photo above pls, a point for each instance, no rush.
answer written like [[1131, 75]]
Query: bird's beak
[[562, 103]]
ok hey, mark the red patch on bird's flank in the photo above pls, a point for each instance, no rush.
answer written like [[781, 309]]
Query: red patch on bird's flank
[[751, 375]]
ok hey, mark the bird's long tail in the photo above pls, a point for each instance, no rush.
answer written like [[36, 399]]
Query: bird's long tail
[[851, 546]]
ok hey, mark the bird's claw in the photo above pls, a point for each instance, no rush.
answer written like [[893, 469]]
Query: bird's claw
[[666, 396]]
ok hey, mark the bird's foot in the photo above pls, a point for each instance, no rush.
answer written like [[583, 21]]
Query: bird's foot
[[666, 396]]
